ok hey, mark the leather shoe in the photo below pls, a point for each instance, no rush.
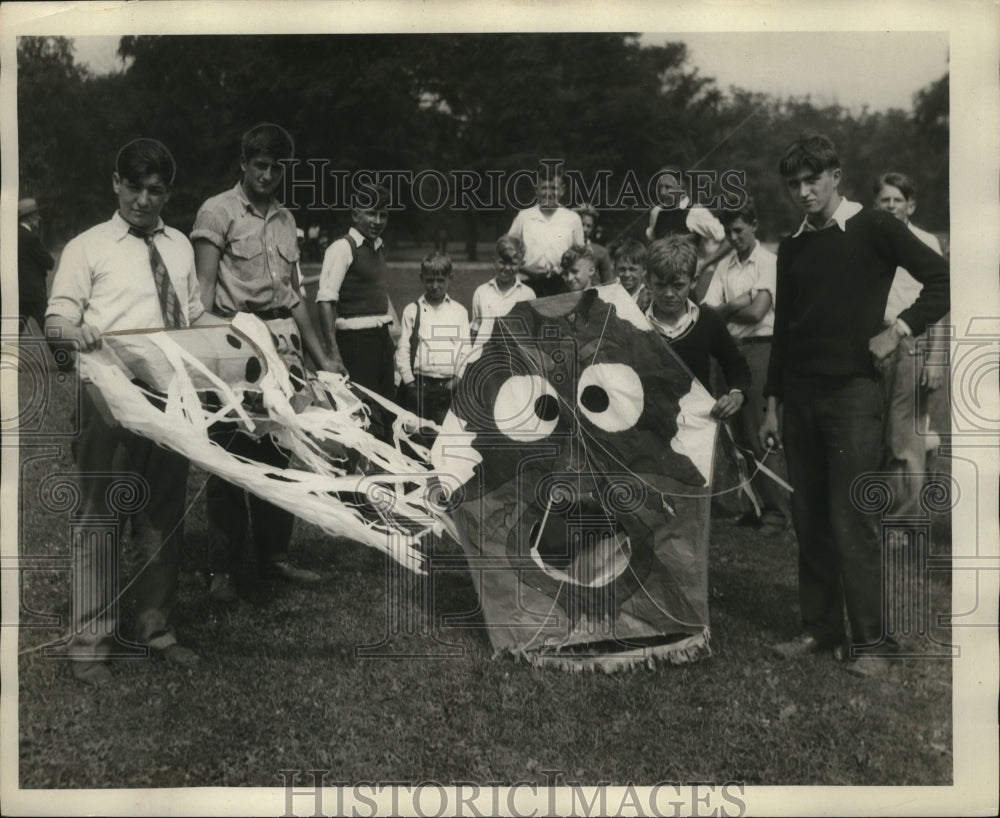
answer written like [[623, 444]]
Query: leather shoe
[[869, 667], [95, 674], [287, 571], [223, 589], [804, 644], [178, 655]]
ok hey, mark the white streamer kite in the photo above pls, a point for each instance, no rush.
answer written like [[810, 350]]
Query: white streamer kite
[[172, 385]]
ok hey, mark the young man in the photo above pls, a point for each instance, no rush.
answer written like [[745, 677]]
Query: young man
[[834, 275], [548, 230], [434, 329], [129, 273], [33, 264], [674, 214], [246, 252], [742, 293], [910, 409], [579, 270]]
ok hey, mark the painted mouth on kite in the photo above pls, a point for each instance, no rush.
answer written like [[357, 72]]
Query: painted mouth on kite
[[582, 545]]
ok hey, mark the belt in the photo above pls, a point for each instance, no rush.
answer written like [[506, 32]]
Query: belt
[[756, 339], [430, 377], [271, 315]]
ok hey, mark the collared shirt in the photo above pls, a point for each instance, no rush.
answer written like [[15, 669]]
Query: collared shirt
[[844, 211], [733, 278], [905, 288], [443, 332], [259, 252], [105, 279], [489, 301], [674, 330], [546, 238], [699, 221]]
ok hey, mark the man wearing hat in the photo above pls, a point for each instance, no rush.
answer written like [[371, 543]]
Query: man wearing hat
[[33, 263]]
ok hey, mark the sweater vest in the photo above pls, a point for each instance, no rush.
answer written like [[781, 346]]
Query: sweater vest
[[671, 222], [364, 290]]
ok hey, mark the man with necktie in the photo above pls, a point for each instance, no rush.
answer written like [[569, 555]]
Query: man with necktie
[[131, 272]]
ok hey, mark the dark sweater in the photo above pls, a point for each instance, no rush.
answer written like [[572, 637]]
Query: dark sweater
[[364, 290], [708, 338], [831, 294]]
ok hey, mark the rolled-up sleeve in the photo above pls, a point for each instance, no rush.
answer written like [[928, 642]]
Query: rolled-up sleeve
[[72, 284], [702, 222], [212, 224], [335, 263]]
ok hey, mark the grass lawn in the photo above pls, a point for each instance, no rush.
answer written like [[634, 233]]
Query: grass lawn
[[324, 678]]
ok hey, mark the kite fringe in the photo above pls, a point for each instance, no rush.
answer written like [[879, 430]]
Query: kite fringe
[[690, 649]]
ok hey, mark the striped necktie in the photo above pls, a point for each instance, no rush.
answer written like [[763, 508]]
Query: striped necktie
[[170, 305]]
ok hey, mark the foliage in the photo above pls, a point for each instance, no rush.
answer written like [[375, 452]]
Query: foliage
[[444, 101]]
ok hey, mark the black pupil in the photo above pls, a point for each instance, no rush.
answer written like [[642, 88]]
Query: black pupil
[[546, 408], [594, 399]]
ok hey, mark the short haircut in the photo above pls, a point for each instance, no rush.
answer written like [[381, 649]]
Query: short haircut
[[573, 255], [631, 250], [587, 210], [508, 247], [812, 151], [436, 261], [268, 139], [672, 256], [370, 197], [748, 213], [901, 181], [144, 157]]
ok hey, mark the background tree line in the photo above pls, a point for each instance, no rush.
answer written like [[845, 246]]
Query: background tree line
[[413, 102]]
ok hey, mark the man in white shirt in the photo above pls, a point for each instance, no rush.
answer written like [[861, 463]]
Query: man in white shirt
[[742, 292], [910, 412], [129, 273], [434, 329], [547, 230]]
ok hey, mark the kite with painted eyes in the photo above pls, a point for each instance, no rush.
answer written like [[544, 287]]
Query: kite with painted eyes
[[577, 465]]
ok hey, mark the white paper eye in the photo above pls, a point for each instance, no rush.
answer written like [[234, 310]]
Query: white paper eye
[[610, 396], [526, 408]]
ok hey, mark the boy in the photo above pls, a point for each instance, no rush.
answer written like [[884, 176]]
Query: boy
[[129, 273], [742, 293], [353, 298], [602, 258], [909, 410], [434, 329], [630, 267], [695, 333], [503, 291], [246, 252], [547, 230], [834, 275], [578, 269]]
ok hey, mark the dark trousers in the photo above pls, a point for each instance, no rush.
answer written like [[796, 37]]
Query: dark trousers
[[117, 468], [833, 435], [368, 357], [429, 398], [234, 512]]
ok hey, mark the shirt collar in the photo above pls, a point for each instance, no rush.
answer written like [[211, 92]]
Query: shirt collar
[[359, 239], [517, 283], [444, 301], [734, 257], [246, 204], [844, 211], [121, 227], [673, 330]]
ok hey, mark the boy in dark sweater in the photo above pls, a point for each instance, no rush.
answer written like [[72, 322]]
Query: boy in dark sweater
[[695, 333], [834, 275]]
